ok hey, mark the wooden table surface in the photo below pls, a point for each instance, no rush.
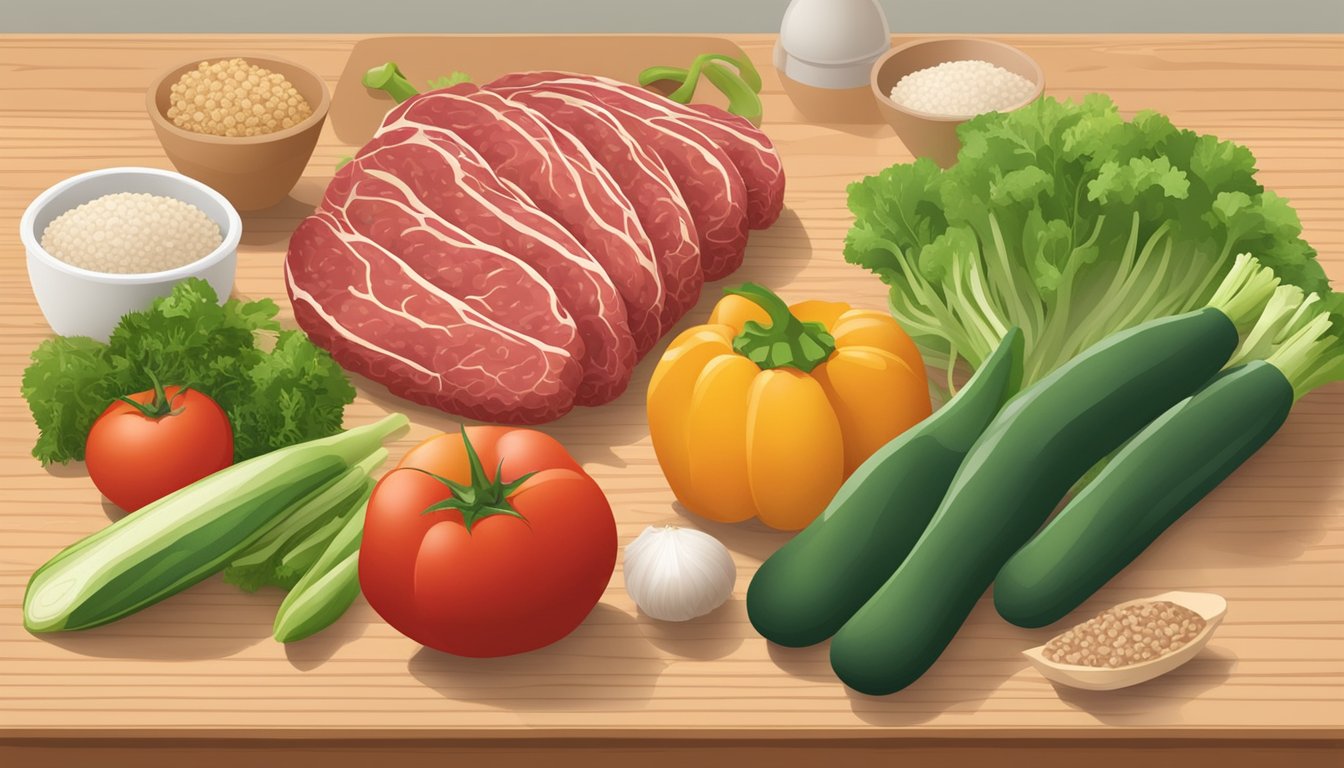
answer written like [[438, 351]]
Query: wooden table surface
[[202, 664]]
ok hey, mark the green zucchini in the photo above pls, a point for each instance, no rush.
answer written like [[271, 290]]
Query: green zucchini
[[327, 589], [810, 587], [183, 538], [1159, 475], [1038, 446]]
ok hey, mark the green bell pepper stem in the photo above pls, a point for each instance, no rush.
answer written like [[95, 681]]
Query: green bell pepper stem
[[786, 342], [329, 587], [741, 87], [742, 101], [389, 79]]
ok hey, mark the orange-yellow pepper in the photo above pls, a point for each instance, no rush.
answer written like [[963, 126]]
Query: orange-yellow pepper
[[767, 408]]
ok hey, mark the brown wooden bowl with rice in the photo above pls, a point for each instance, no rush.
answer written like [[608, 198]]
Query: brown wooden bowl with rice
[[245, 125], [927, 88]]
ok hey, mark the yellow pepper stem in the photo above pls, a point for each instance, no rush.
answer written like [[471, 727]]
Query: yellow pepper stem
[[787, 342]]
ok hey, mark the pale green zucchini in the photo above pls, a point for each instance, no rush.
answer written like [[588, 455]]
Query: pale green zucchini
[[183, 538]]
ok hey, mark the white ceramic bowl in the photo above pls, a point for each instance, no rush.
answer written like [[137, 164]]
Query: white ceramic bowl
[[81, 302]]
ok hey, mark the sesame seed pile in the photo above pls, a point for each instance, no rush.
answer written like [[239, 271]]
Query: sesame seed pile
[[131, 232], [1127, 635], [234, 98], [961, 89]]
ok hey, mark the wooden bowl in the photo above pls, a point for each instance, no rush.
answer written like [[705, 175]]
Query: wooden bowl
[[253, 172], [1212, 608], [935, 136]]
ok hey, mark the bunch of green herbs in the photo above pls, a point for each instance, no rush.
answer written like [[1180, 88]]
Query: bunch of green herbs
[[277, 387]]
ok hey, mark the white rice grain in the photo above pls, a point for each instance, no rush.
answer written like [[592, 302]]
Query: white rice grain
[[131, 232], [961, 89]]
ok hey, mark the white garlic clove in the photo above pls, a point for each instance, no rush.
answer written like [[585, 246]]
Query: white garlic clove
[[677, 574]]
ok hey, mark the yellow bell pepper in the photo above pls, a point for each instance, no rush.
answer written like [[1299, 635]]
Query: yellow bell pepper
[[766, 409]]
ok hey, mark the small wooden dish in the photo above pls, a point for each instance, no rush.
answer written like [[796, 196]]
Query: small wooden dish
[[253, 172], [935, 136], [1209, 606]]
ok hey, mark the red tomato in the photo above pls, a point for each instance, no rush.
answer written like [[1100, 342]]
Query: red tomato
[[487, 566], [136, 455]]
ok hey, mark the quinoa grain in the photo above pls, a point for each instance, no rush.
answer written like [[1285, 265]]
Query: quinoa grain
[[1126, 635], [234, 98]]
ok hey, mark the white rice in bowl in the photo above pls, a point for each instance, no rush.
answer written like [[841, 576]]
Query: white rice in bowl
[[131, 233], [962, 89]]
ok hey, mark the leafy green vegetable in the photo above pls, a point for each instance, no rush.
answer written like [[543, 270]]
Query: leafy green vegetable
[[449, 80], [327, 588], [1293, 331], [276, 386], [387, 77], [1072, 223]]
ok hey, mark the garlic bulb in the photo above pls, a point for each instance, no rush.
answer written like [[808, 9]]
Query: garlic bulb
[[675, 574]]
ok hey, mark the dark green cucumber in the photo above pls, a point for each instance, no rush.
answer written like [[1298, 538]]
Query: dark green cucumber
[[811, 586], [1159, 475], [1038, 446]]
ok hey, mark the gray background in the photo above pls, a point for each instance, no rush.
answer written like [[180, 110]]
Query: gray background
[[658, 15]]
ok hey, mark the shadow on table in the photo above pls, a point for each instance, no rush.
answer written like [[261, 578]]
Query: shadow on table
[[69, 469], [273, 225], [964, 677], [712, 636], [812, 663], [1296, 469], [941, 690], [113, 512], [209, 621], [752, 538], [970, 671], [559, 677], [1159, 699], [312, 652]]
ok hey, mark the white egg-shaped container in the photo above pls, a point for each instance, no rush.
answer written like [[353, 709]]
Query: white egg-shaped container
[[831, 43]]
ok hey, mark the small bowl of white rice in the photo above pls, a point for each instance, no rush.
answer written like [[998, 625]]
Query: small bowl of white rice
[[106, 243], [927, 88]]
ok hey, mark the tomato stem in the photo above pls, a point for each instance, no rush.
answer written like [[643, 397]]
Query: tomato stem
[[483, 496], [160, 406]]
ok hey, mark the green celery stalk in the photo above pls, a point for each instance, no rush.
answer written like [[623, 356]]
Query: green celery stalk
[[324, 593], [302, 556], [258, 566]]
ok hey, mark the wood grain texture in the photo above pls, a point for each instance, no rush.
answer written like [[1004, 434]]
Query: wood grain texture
[[654, 753], [1271, 539]]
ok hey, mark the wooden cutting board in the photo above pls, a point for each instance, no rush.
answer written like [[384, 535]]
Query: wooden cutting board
[[199, 678], [356, 111]]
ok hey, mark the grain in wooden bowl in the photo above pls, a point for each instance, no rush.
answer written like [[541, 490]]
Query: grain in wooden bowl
[[255, 169], [929, 133]]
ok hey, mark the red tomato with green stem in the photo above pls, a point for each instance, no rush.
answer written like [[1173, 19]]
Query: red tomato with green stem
[[488, 543], [151, 443]]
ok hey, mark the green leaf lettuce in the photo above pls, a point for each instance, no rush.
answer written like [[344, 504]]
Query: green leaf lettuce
[[1071, 222]]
